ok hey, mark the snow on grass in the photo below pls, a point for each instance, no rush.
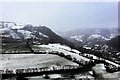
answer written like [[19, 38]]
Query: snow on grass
[[85, 77], [55, 76], [94, 57], [86, 47], [66, 50], [27, 34], [43, 35], [112, 63], [64, 47], [76, 51], [111, 75], [100, 69], [25, 61]]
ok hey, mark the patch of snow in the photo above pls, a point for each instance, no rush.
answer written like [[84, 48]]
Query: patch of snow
[[3, 30], [86, 47], [96, 45], [27, 34], [100, 69], [55, 76], [61, 48], [97, 36], [112, 75], [112, 63], [14, 35], [85, 77], [65, 47], [43, 35], [78, 38], [8, 33], [112, 35], [17, 27], [118, 53], [76, 51], [94, 57]]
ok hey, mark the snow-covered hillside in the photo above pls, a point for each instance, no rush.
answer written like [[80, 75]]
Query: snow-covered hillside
[[78, 37], [87, 34], [27, 34], [97, 36], [6, 32], [91, 36], [16, 31], [37, 34]]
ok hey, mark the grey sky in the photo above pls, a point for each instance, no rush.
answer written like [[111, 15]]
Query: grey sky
[[62, 16]]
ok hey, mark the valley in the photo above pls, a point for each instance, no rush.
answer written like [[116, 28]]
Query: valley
[[36, 47]]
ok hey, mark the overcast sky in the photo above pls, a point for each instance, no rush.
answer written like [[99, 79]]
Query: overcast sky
[[62, 16]]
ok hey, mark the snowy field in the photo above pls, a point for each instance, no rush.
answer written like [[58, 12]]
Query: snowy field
[[101, 70], [18, 61], [62, 48], [54, 76]]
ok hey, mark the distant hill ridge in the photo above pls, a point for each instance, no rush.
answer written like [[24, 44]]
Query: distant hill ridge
[[41, 34]]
